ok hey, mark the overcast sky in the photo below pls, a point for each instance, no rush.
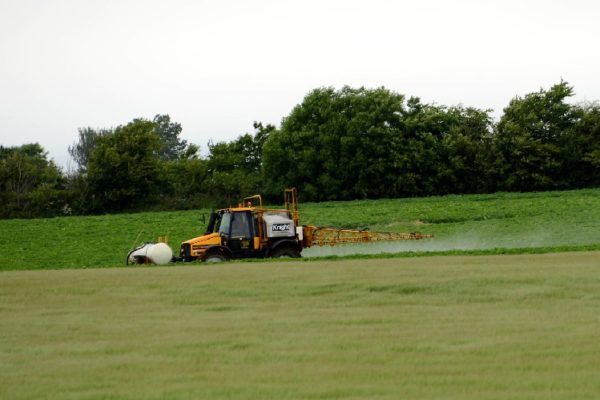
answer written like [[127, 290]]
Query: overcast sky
[[217, 66]]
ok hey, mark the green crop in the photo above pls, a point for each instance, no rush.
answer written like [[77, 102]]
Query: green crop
[[476, 223]]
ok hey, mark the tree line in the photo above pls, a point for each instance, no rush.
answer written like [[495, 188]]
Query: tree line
[[351, 143]]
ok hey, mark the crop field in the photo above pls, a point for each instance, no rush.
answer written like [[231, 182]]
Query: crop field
[[468, 327], [550, 221]]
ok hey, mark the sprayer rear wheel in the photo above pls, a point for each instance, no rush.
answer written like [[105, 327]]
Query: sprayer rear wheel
[[285, 252]]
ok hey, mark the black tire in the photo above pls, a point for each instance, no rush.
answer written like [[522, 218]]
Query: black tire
[[141, 260], [285, 252], [215, 258]]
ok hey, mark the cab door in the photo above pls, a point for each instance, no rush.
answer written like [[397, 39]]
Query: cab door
[[241, 234]]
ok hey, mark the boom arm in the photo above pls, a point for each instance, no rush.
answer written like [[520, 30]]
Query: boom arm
[[318, 236]]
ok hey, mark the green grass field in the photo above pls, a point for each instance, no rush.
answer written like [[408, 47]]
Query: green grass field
[[469, 327], [551, 220]]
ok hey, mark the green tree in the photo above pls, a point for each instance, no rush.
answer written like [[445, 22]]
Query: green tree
[[173, 146], [172, 153], [124, 171], [81, 150], [30, 184], [371, 143], [530, 139], [466, 152], [581, 148], [235, 167], [188, 184], [335, 144]]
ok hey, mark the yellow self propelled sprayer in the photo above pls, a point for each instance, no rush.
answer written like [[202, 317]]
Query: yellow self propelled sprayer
[[253, 231]]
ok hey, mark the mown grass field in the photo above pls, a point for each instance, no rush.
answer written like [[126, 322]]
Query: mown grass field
[[469, 327], [550, 220]]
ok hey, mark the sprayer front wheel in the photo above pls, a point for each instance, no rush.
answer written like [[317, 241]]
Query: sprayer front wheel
[[215, 258]]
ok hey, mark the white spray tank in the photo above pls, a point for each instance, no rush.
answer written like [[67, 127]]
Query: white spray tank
[[156, 253]]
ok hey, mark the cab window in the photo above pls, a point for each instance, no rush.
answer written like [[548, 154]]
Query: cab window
[[225, 222], [240, 225]]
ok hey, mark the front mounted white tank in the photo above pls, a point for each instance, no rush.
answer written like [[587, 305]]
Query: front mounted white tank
[[157, 253]]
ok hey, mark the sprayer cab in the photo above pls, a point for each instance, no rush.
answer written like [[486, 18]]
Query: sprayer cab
[[246, 231]]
